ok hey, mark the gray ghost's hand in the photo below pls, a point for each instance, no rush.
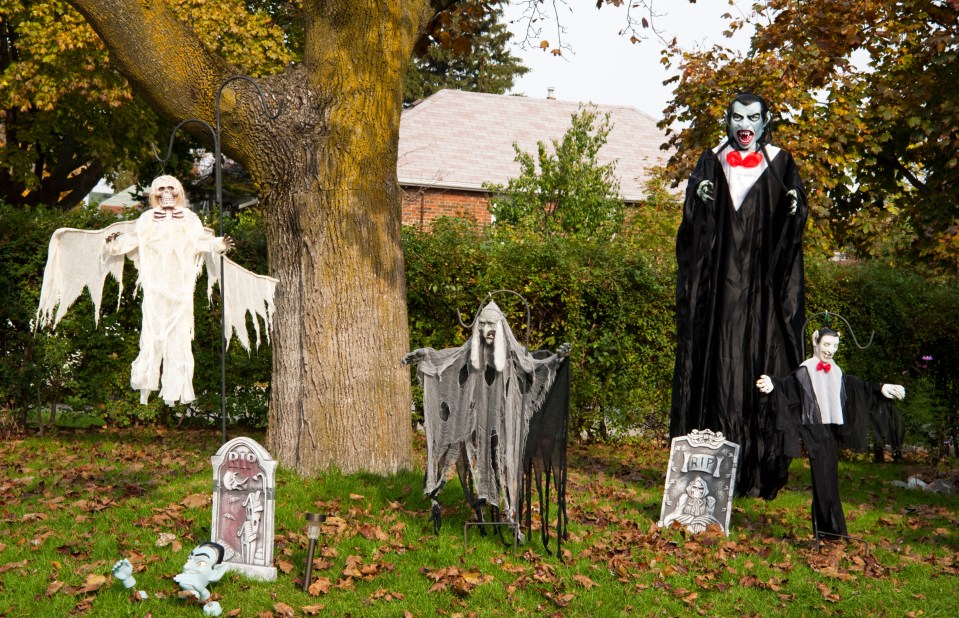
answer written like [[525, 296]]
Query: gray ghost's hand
[[413, 357], [563, 350], [705, 191], [123, 572], [893, 391]]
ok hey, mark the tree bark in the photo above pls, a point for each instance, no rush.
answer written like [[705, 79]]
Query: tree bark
[[326, 172]]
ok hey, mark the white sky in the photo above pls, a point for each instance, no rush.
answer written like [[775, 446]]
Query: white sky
[[606, 68]]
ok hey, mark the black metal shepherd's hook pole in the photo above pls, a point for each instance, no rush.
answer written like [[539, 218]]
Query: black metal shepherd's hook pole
[[215, 132]]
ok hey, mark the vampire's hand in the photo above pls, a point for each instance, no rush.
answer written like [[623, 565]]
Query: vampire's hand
[[705, 191], [793, 201], [893, 391], [123, 572], [765, 384]]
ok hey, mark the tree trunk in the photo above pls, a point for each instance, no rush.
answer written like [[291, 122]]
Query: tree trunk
[[326, 173], [340, 397]]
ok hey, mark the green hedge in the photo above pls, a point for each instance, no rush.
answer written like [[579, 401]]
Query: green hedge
[[611, 298]]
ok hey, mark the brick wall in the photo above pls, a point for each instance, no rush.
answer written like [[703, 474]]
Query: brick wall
[[422, 205]]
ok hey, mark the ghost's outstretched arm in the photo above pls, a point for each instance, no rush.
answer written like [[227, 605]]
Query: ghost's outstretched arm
[[78, 259], [246, 292]]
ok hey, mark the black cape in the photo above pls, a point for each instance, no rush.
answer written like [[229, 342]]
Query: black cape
[[739, 312]]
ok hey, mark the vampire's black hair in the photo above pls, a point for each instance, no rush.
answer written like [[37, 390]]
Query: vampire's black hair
[[220, 550]]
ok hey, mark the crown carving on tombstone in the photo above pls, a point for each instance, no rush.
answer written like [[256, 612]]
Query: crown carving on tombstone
[[707, 438]]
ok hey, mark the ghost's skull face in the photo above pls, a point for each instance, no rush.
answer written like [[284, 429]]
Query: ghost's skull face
[[697, 488], [167, 193], [166, 196], [746, 124]]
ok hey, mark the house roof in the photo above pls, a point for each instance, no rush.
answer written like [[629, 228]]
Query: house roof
[[460, 140]]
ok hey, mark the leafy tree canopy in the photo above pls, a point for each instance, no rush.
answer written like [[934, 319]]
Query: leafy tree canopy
[[69, 118], [478, 59], [565, 191], [867, 98]]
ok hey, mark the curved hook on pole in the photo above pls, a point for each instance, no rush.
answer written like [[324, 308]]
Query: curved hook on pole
[[459, 316], [169, 150], [259, 92], [828, 315]]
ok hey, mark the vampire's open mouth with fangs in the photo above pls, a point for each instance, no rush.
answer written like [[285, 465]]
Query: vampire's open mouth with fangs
[[745, 137]]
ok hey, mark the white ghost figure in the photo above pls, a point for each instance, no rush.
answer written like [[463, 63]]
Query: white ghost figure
[[169, 246]]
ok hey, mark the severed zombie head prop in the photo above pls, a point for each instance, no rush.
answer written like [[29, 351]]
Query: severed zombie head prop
[[747, 122], [166, 192]]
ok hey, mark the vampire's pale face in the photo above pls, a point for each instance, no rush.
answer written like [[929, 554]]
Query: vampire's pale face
[[200, 563], [826, 347], [746, 124], [487, 325]]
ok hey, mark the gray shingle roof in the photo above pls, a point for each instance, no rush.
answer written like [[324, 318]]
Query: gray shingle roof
[[459, 140]]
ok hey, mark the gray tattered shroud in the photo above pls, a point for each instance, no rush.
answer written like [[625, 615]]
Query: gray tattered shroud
[[477, 413]]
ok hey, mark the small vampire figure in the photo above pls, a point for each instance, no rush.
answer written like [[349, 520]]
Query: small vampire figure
[[739, 292], [828, 409]]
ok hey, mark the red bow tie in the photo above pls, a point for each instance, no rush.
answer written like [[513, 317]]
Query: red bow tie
[[823, 367], [734, 159]]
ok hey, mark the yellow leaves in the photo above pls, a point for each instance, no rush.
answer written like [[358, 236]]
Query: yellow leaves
[[196, 501], [53, 588], [457, 581], [322, 585], [827, 594], [584, 581]]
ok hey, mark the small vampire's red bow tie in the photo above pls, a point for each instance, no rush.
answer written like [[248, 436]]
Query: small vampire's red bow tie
[[823, 367], [751, 160]]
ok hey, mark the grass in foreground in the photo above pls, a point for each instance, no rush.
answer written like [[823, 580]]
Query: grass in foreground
[[73, 504]]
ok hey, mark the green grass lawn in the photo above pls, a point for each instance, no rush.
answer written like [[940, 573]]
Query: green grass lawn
[[72, 504]]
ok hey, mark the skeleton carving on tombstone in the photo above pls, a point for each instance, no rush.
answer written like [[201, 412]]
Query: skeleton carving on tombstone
[[478, 401], [169, 246]]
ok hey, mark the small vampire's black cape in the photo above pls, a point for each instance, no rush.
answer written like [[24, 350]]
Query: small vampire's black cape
[[793, 404], [739, 312]]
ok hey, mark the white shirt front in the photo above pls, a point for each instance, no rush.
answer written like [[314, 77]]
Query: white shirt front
[[828, 389], [741, 178]]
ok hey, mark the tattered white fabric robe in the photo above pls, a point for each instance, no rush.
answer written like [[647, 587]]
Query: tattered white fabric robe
[[168, 248]]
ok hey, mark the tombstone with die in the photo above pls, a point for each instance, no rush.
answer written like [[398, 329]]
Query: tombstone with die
[[700, 481], [244, 488]]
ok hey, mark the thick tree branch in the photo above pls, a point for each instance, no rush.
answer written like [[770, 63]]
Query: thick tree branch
[[161, 57]]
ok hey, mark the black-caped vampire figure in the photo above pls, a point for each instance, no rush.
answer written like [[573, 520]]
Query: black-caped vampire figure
[[826, 409], [739, 293]]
